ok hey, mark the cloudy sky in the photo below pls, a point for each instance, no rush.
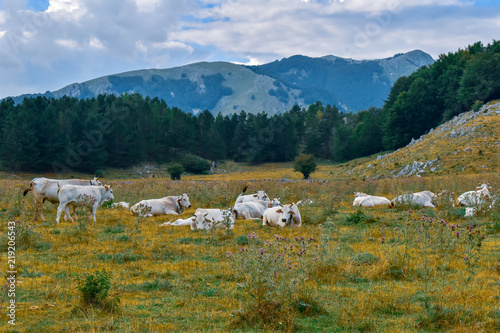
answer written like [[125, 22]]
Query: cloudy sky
[[48, 44]]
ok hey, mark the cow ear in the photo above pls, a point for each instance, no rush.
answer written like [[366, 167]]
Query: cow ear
[[292, 212], [107, 187], [255, 195], [279, 211]]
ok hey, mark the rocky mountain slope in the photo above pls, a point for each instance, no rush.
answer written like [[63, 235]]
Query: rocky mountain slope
[[227, 88], [469, 143]]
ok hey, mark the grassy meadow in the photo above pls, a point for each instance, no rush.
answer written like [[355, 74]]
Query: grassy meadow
[[347, 269]]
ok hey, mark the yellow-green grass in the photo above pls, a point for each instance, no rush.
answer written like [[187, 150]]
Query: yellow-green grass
[[172, 279]]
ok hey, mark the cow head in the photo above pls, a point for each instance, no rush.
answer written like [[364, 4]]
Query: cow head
[[200, 221], [274, 203], [484, 189], [287, 213], [95, 182], [183, 200], [108, 194], [261, 195]]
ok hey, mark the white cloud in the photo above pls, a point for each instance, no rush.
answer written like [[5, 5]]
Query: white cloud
[[76, 40], [68, 43]]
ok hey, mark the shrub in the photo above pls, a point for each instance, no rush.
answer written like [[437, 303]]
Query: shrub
[[305, 164], [175, 171], [195, 164], [95, 288]]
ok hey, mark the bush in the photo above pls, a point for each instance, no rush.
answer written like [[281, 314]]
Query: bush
[[175, 171], [305, 164], [95, 290], [195, 164]]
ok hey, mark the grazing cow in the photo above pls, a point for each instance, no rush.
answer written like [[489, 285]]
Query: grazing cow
[[304, 202], [260, 195], [121, 204], [286, 215], [45, 189], [76, 195], [423, 198], [253, 209], [168, 205], [474, 198], [365, 200]]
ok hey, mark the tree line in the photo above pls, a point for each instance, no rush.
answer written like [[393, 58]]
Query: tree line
[[59, 135]]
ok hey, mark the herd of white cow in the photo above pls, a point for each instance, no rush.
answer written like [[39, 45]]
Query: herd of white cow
[[69, 193]]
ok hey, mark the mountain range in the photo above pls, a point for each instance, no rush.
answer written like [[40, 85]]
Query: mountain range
[[226, 88]]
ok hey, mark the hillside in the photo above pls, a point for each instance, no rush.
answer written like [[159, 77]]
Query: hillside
[[467, 144], [227, 88]]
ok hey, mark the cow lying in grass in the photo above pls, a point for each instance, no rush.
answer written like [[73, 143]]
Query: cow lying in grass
[[366, 200], [423, 199], [170, 205], [206, 219], [286, 215]]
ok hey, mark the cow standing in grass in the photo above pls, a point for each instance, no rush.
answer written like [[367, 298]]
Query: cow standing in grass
[[75, 195], [45, 189]]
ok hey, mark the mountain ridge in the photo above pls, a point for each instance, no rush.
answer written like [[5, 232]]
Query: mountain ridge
[[275, 87]]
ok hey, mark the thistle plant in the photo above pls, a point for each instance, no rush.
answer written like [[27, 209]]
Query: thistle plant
[[273, 276]]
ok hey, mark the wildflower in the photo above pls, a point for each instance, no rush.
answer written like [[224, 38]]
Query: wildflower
[[458, 233], [452, 227], [261, 251], [291, 246], [397, 228], [466, 258], [311, 240], [229, 253], [383, 240], [316, 259], [409, 211]]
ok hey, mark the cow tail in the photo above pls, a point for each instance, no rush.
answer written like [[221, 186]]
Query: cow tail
[[30, 188]]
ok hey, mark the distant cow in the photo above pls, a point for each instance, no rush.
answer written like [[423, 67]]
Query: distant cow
[[253, 209], [45, 189], [365, 200], [76, 195], [286, 215], [474, 198], [423, 199], [170, 205], [206, 218]]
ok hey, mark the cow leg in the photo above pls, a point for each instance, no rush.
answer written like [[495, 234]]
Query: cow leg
[[94, 209], [264, 220], [67, 212], [60, 209]]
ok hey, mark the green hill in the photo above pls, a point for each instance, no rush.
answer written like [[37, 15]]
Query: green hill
[[223, 87]]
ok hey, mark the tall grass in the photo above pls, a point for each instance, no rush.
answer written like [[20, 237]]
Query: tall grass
[[375, 269]]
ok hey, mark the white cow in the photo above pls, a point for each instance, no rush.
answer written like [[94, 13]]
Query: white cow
[[45, 189], [474, 198], [76, 195], [180, 222], [253, 209], [260, 195], [121, 204], [286, 215], [168, 205], [365, 200], [423, 199], [209, 218], [206, 218]]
